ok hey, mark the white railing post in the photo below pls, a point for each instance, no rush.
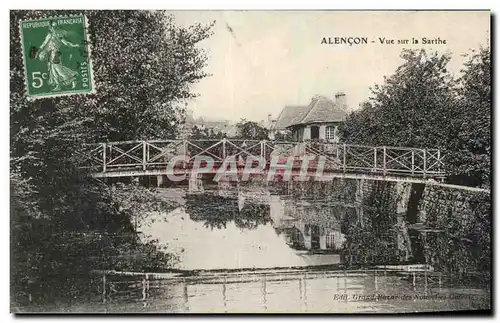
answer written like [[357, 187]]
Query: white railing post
[[344, 160], [144, 155], [384, 162], [374, 159], [413, 162], [104, 147], [425, 162], [224, 148], [439, 160]]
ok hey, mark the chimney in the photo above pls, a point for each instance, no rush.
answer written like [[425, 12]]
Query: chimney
[[269, 120], [340, 100]]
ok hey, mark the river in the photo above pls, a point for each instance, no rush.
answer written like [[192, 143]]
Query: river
[[262, 249]]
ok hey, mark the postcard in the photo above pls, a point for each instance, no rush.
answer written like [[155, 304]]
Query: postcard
[[250, 161]]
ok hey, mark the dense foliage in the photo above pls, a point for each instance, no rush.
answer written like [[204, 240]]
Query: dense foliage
[[217, 211], [63, 224], [251, 130], [422, 105], [198, 132]]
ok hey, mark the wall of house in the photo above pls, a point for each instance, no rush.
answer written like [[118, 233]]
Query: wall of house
[[303, 133], [307, 133]]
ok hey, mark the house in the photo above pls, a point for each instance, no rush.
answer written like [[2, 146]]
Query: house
[[307, 236], [302, 230], [318, 120], [288, 114]]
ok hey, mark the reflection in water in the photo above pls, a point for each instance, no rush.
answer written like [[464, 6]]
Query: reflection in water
[[216, 211], [253, 237], [353, 291], [236, 228], [248, 230]]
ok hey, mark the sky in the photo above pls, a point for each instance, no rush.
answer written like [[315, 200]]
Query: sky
[[275, 58]]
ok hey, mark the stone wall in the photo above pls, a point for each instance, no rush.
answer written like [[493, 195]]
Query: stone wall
[[447, 228]]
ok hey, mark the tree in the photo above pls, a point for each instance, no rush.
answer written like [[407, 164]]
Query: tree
[[472, 158], [286, 135], [250, 130], [157, 63], [140, 81], [422, 106], [413, 107], [204, 133], [361, 126]]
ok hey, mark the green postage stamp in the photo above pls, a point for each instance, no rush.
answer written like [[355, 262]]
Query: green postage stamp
[[57, 57]]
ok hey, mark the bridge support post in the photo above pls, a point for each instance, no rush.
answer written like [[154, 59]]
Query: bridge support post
[[196, 182], [159, 180]]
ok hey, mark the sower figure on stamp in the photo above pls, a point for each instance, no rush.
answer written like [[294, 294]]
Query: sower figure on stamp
[[59, 75]]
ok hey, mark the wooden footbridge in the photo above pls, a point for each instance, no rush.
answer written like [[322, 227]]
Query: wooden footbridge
[[152, 157]]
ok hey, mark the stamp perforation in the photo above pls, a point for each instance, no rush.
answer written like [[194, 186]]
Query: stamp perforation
[[87, 47]]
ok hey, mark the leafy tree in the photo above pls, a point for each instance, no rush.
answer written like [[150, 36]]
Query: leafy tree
[[156, 61], [422, 106], [250, 130], [204, 133], [413, 107], [472, 158], [286, 135], [144, 66]]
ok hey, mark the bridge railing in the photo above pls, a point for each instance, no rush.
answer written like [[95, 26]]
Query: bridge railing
[[394, 160], [154, 154]]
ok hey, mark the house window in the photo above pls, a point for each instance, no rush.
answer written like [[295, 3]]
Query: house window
[[331, 132]]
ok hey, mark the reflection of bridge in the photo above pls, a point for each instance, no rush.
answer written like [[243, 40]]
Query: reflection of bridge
[[151, 157], [300, 289]]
